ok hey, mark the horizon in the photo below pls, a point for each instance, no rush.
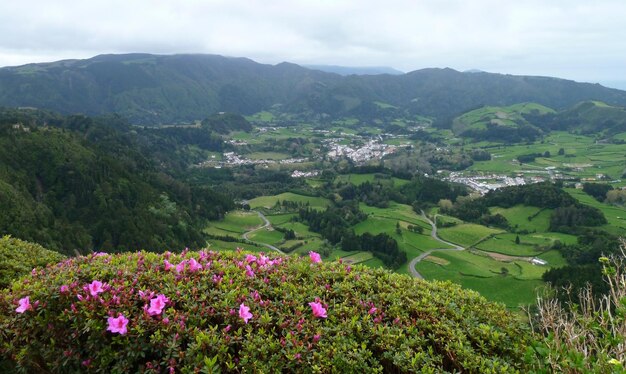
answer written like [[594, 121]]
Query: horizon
[[615, 84]]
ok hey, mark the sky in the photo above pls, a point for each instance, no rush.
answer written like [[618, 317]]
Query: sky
[[572, 39]]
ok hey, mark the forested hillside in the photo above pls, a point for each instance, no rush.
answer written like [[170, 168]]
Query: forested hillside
[[152, 89], [76, 184]]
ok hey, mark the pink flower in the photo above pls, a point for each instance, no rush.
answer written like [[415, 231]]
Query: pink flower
[[167, 264], [181, 266], [316, 338], [315, 257], [117, 325], [250, 258], [64, 289], [372, 310], [24, 305], [95, 288], [157, 304], [249, 272], [244, 313], [194, 265], [318, 310]]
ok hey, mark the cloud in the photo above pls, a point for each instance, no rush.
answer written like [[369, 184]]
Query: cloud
[[575, 39]]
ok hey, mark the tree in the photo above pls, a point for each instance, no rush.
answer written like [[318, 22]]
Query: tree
[[517, 239], [561, 151]]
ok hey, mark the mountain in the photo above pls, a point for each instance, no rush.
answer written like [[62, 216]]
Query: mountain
[[153, 89], [356, 70]]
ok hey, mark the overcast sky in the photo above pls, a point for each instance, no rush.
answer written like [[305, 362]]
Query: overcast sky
[[574, 39]]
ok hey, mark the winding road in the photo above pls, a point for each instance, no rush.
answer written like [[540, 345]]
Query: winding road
[[433, 234], [265, 225]]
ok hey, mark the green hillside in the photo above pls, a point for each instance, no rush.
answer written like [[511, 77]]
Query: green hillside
[[151, 89], [500, 123], [81, 185]]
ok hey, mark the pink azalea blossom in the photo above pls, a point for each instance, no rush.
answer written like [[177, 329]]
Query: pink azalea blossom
[[318, 310], [372, 310], [315, 257], [95, 288], [244, 313], [194, 265], [181, 266], [250, 258], [64, 289], [168, 265], [24, 305], [118, 325], [157, 304], [249, 272], [316, 338]]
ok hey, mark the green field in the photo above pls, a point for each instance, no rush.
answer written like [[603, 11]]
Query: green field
[[524, 217], [615, 215], [466, 234], [512, 283], [269, 201], [234, 224], [359, 179], [530, 244]]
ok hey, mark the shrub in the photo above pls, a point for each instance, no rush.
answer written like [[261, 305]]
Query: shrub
[[185, 313], [585, 337], [18, 257]]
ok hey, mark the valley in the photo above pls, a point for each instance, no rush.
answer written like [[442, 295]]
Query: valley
[[505, 264]]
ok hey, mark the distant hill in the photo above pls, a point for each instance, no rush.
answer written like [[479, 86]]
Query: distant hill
[[500, 123], [153, 89], [356, 70], [587, 117]]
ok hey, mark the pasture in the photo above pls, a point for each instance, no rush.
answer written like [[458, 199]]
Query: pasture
[[466, 234], [512, 283], [269, 201]]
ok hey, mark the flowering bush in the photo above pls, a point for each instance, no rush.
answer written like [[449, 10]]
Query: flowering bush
[[18, 258], [231, 311]]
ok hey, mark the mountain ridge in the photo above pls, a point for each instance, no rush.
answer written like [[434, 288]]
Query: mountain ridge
[[152, 89]]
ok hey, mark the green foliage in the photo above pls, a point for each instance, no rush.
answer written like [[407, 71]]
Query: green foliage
[[18, 258], [376, 321], [161, 89], [81, 185], [587, 337], [597, 190], [223, 123]]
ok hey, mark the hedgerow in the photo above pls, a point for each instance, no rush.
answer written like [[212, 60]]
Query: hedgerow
[[18, 257], [233, 311]]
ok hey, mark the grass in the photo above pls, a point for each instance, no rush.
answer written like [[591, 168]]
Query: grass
[[359, 179], [279, 219], [234, 223], [466, 234], [530, 244], [269, 201], [358, 257], [373, 263], [517, 286], [615, 216], [264, 235], [524, 217]]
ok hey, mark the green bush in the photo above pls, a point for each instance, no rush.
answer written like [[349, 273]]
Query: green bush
[[375, 321], [18, 258]]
